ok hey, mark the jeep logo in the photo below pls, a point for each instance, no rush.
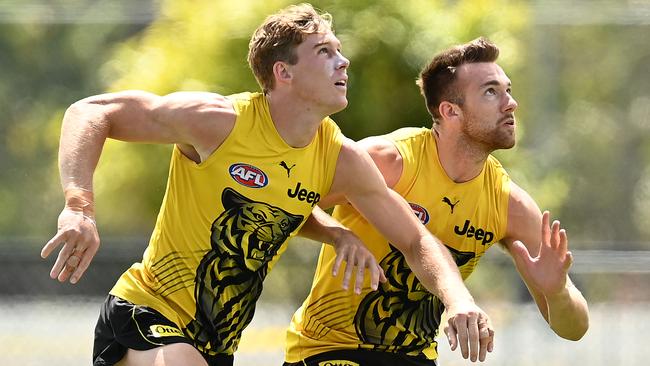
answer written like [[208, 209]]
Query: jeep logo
[[302, 194], [470, 231]]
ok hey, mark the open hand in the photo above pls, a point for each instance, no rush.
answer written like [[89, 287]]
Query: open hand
[[547, 271], [350, 248], [78, 235]]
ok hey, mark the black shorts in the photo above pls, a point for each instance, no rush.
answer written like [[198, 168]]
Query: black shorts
[[353, 357], [123, 325]]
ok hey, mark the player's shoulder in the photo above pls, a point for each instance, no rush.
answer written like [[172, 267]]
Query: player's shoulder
[[204, 119], [387, 147], [521, 203], [408, 133], [202, 96], [197, 102], [386, 144], [245, 98], [375, 143], [353, 158], [379, 147]]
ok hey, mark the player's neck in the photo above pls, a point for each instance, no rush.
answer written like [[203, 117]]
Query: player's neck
[[297, 123], [461, 160]]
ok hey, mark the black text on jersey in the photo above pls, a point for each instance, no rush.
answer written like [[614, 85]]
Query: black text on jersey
[[470, 231], [302, 194]]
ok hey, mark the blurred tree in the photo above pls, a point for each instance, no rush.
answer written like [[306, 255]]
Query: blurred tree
[[202, 45], [584, 145], [592, 129], [44, 66]]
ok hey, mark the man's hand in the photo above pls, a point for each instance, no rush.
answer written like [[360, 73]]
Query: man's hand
[[471, 328], [78, 235], [321, 227], [350, 248], [547, 270]]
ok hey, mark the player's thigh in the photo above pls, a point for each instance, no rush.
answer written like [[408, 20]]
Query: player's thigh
[[176, 354]]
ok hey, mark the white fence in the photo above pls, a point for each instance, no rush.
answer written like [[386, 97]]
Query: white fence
[[60, 332]]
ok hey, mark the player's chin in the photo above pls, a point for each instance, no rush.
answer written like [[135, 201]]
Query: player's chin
[[504, 142], [510, 143], [506, 145], [341, 104]]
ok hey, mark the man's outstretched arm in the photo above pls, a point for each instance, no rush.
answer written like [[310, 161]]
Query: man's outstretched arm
[[540, 253], [197, 122], [427, 257]]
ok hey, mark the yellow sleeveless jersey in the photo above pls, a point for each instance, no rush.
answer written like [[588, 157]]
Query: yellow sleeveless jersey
[[223, 224], [402, 316]]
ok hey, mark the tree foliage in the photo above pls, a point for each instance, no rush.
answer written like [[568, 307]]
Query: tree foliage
[[43, 68], [202, 45], [583, 136]]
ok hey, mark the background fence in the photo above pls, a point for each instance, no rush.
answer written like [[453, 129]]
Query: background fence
[[44, 322]]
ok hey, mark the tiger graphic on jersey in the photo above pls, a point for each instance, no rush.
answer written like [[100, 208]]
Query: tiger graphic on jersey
[[401, 315], [228, 282]]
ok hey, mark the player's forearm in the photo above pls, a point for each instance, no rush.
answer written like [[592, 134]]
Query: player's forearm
[[568, 313], [434, 267], [321, 227], [83, 133], [427, 257]]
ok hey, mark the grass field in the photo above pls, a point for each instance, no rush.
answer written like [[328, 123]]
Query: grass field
[[58, 332]]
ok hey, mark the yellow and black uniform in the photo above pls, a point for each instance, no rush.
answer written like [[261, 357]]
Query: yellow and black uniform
[[402, 317], [223, 224]]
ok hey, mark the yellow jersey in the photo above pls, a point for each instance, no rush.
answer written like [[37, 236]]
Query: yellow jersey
[[224, 223], [402, 316]]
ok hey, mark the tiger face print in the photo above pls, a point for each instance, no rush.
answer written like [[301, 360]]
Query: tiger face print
[[228, 282], [251, 232], [401, 316]]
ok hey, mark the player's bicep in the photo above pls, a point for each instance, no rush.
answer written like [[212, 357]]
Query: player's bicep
[[130, 115], [189, 118], [524, 220]]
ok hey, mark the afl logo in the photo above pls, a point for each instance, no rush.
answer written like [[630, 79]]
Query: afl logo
[[420, 212], [248, 175]]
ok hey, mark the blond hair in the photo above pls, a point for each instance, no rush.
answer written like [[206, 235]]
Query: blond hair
[[279, 35]]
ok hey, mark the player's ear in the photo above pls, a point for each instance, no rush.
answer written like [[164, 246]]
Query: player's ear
[[282, 72], [449, 110]]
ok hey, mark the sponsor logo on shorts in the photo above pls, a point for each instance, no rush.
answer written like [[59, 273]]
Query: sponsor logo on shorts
[[338, 363], [420, 212], [248, 175], [160, 331]]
